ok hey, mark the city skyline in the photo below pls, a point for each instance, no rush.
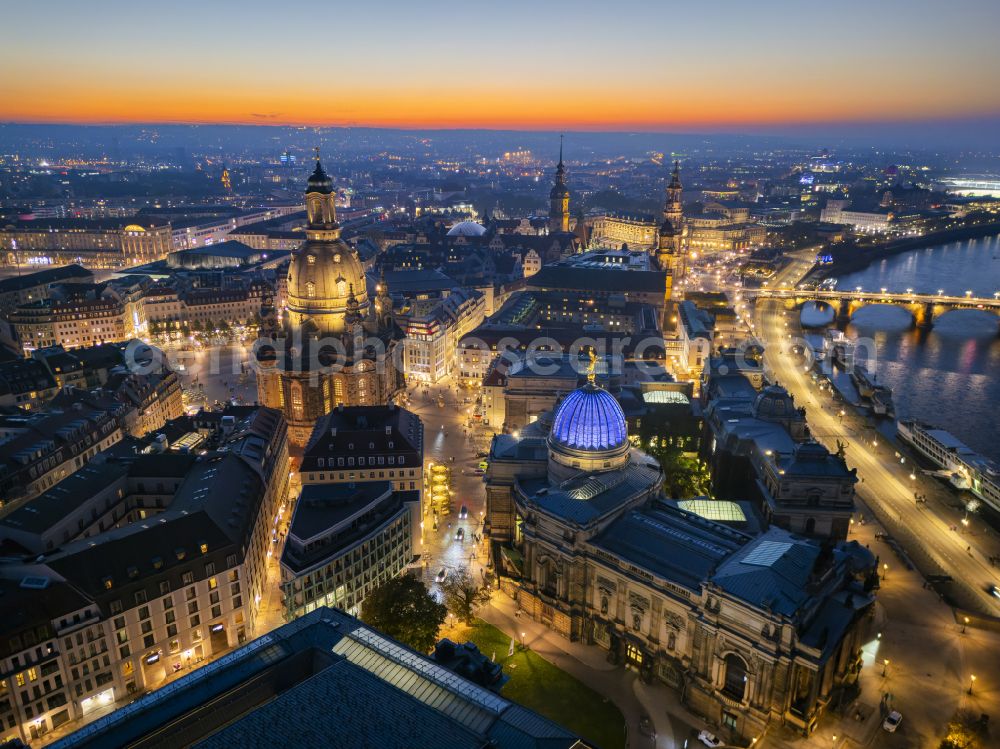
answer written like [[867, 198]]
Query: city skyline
[[767, 67], [563, 375]]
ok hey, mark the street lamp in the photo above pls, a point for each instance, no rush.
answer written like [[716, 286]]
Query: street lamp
[[965, 623], [885, 667], [972, 682], [522, 641], [885, 570]]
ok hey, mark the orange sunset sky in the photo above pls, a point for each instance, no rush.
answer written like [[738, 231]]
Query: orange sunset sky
[[585, 65]]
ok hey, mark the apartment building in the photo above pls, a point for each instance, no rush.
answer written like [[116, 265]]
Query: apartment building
[[136, 569]]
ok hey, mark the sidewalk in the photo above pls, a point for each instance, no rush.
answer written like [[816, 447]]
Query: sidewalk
[[672, 723]]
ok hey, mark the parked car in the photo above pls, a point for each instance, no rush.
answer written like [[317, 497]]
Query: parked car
[[441, 575], [709, 739], [892, 721]]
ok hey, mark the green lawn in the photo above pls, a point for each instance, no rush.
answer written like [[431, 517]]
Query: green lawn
[[537, 684]]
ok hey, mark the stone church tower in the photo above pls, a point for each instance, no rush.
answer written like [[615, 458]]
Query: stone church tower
[[559, 199], [671, 246]]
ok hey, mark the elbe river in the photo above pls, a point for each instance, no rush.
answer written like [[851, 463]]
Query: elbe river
[[948, 376]]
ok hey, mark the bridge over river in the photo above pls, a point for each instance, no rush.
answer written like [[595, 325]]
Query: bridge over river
[[925, 308]]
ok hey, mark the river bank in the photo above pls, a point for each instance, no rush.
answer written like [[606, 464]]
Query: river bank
[[865, 257]]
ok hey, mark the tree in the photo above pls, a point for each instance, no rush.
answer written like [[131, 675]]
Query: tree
[[965, 731], [403, 609], [463, 595], [682, 476]]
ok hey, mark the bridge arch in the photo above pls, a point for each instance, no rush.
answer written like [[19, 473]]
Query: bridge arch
[[924, 309]]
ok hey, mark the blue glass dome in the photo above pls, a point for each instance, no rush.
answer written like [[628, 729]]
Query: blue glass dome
[[589, 418]]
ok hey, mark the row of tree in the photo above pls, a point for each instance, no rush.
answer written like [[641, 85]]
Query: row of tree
[[405, 609]]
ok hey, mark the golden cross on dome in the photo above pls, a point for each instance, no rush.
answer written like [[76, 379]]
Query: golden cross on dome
[[592, 367]]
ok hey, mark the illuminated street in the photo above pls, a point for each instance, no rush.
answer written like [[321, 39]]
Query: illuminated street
[[447, 435], [887, 484]]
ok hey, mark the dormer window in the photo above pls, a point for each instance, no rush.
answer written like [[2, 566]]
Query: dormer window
[[311, 259], [310, 289]]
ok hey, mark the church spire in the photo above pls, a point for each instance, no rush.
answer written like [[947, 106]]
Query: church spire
[[559, 198], [672, 233]]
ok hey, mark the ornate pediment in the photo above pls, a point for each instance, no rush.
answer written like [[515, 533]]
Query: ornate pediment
[[674, 621], [638, 603]]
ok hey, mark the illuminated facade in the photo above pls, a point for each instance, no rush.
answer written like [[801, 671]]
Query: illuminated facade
[[724, 226], [431, 345], [619, 229], [750, 625], [81, 320], [102, 243], [338, 347], [122, 602], [559, 199], [671, 238]]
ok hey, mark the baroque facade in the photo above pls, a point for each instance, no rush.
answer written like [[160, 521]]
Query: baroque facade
[[338, 347], [748, 624], [672, 236]]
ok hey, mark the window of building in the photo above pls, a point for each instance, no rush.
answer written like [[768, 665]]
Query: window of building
[[736, 677]]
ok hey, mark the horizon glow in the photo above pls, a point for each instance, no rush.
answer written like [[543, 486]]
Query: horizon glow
[[629, 65]]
